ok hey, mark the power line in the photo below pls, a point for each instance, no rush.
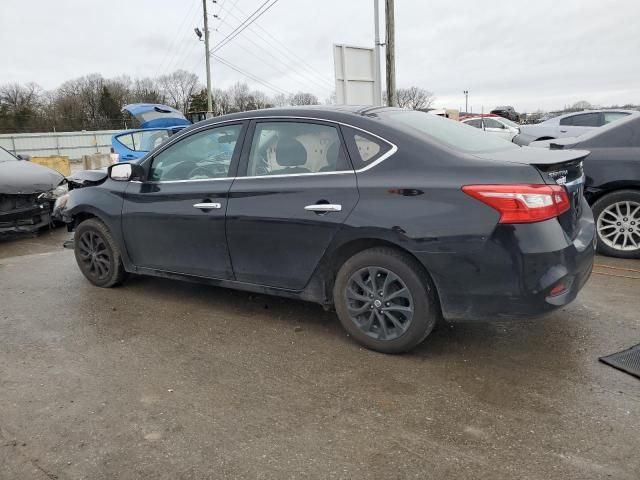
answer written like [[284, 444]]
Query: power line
[[176, 42], [250, 76], [288, 70], [287, 63], [250, 19], [286, 50]]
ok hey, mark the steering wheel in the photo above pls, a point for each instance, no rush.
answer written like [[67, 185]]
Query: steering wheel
[[216, 166]]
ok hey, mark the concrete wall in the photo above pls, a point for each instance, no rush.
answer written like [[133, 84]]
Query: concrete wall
[[71, 144]]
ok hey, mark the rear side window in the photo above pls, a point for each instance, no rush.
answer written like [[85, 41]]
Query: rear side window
[[476, 122], [286, 148], [613, 116], [582, 120], [363, 147]]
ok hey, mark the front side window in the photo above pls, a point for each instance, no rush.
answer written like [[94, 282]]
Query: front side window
[[6, 156], [491, 123], [201, 156], [285, 148]]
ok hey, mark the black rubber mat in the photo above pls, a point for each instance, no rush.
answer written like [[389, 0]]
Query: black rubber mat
[[628, 360]]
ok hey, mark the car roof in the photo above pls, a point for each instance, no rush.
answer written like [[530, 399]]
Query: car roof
[[338, 113], [601, 110]]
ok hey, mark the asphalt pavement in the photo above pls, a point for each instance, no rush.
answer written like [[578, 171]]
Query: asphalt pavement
[[163, 379]]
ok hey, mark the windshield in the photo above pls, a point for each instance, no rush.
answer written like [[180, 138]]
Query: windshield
[[6, 156], [449, 132]]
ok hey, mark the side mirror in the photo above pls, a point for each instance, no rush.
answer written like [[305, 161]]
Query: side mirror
[[22, 156], [123, 172]]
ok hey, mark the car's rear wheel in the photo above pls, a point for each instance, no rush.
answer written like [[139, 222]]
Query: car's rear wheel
[[97, 254], [385, 300], [618, 224]]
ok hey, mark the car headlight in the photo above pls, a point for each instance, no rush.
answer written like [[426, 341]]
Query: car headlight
[[61, 202], [57, 192]]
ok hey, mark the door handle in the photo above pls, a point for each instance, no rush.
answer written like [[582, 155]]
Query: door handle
[[323, 207], [207, 205]]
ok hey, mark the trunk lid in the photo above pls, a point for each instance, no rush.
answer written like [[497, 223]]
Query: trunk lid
[[555, 165], [155, 115]]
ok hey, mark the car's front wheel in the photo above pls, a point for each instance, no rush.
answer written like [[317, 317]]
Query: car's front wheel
[[385, 300], [618, 224], [97, 254]]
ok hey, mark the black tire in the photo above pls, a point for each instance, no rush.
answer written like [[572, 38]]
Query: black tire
[[422, 299], [98, 255], [610, 200]]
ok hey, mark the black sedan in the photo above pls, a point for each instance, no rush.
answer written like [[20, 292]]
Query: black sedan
[[396, 218], [612, 183]]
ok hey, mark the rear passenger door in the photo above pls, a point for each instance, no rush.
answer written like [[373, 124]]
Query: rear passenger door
[[295, 188]]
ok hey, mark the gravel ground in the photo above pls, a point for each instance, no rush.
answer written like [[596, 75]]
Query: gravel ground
[[162, 379]]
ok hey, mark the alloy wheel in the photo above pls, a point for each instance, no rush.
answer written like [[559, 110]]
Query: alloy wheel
[[94, 255], [619, 226], [379, 303]]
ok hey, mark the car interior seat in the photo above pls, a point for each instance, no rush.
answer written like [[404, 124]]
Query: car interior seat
[[291, 155]]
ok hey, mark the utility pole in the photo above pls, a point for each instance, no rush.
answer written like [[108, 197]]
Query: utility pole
[[466, 100], [378, 57], [207, 59], [390, 23]]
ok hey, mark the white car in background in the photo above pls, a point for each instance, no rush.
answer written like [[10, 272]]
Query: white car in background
[[568, 125], [494, 125]]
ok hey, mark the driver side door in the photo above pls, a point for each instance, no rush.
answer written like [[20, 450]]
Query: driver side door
[[175, 220]]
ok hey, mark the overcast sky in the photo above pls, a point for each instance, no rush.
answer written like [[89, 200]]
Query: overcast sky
[[525, 53]]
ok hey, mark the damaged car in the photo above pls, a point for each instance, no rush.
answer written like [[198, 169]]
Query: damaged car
[[394, 218], [27, 194]]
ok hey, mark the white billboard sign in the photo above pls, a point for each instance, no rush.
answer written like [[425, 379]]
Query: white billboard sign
[[355, 75]]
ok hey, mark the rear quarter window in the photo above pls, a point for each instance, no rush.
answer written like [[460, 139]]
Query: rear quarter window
[[364, 149]]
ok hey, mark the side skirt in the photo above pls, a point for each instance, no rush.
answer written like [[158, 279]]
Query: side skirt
[[310, 294]]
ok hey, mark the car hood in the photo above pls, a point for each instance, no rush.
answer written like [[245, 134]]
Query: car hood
[[24, 177], [155, 115], [88, 177], [534, 156]]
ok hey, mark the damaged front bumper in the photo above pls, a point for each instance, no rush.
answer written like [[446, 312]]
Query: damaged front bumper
[[23, 213]]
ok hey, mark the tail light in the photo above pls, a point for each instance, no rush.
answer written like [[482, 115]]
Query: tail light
[[522, 203]]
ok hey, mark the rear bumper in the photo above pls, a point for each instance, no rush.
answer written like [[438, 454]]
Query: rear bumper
[[513, 275]]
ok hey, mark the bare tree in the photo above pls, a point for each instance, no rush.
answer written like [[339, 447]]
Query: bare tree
[[581, 105], [178, 87], [415, 98], [259, 100], [145, 90], [280, 100], [240, 96], [18, 97], [303, 98]]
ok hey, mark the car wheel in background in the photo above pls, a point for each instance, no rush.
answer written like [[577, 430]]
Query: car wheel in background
[[617, 218], [97, 254], [385, 300]]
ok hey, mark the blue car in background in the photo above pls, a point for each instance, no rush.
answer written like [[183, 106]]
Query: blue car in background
[[157, 123]]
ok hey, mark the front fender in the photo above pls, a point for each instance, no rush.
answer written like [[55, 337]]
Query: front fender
[[103, 202]]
